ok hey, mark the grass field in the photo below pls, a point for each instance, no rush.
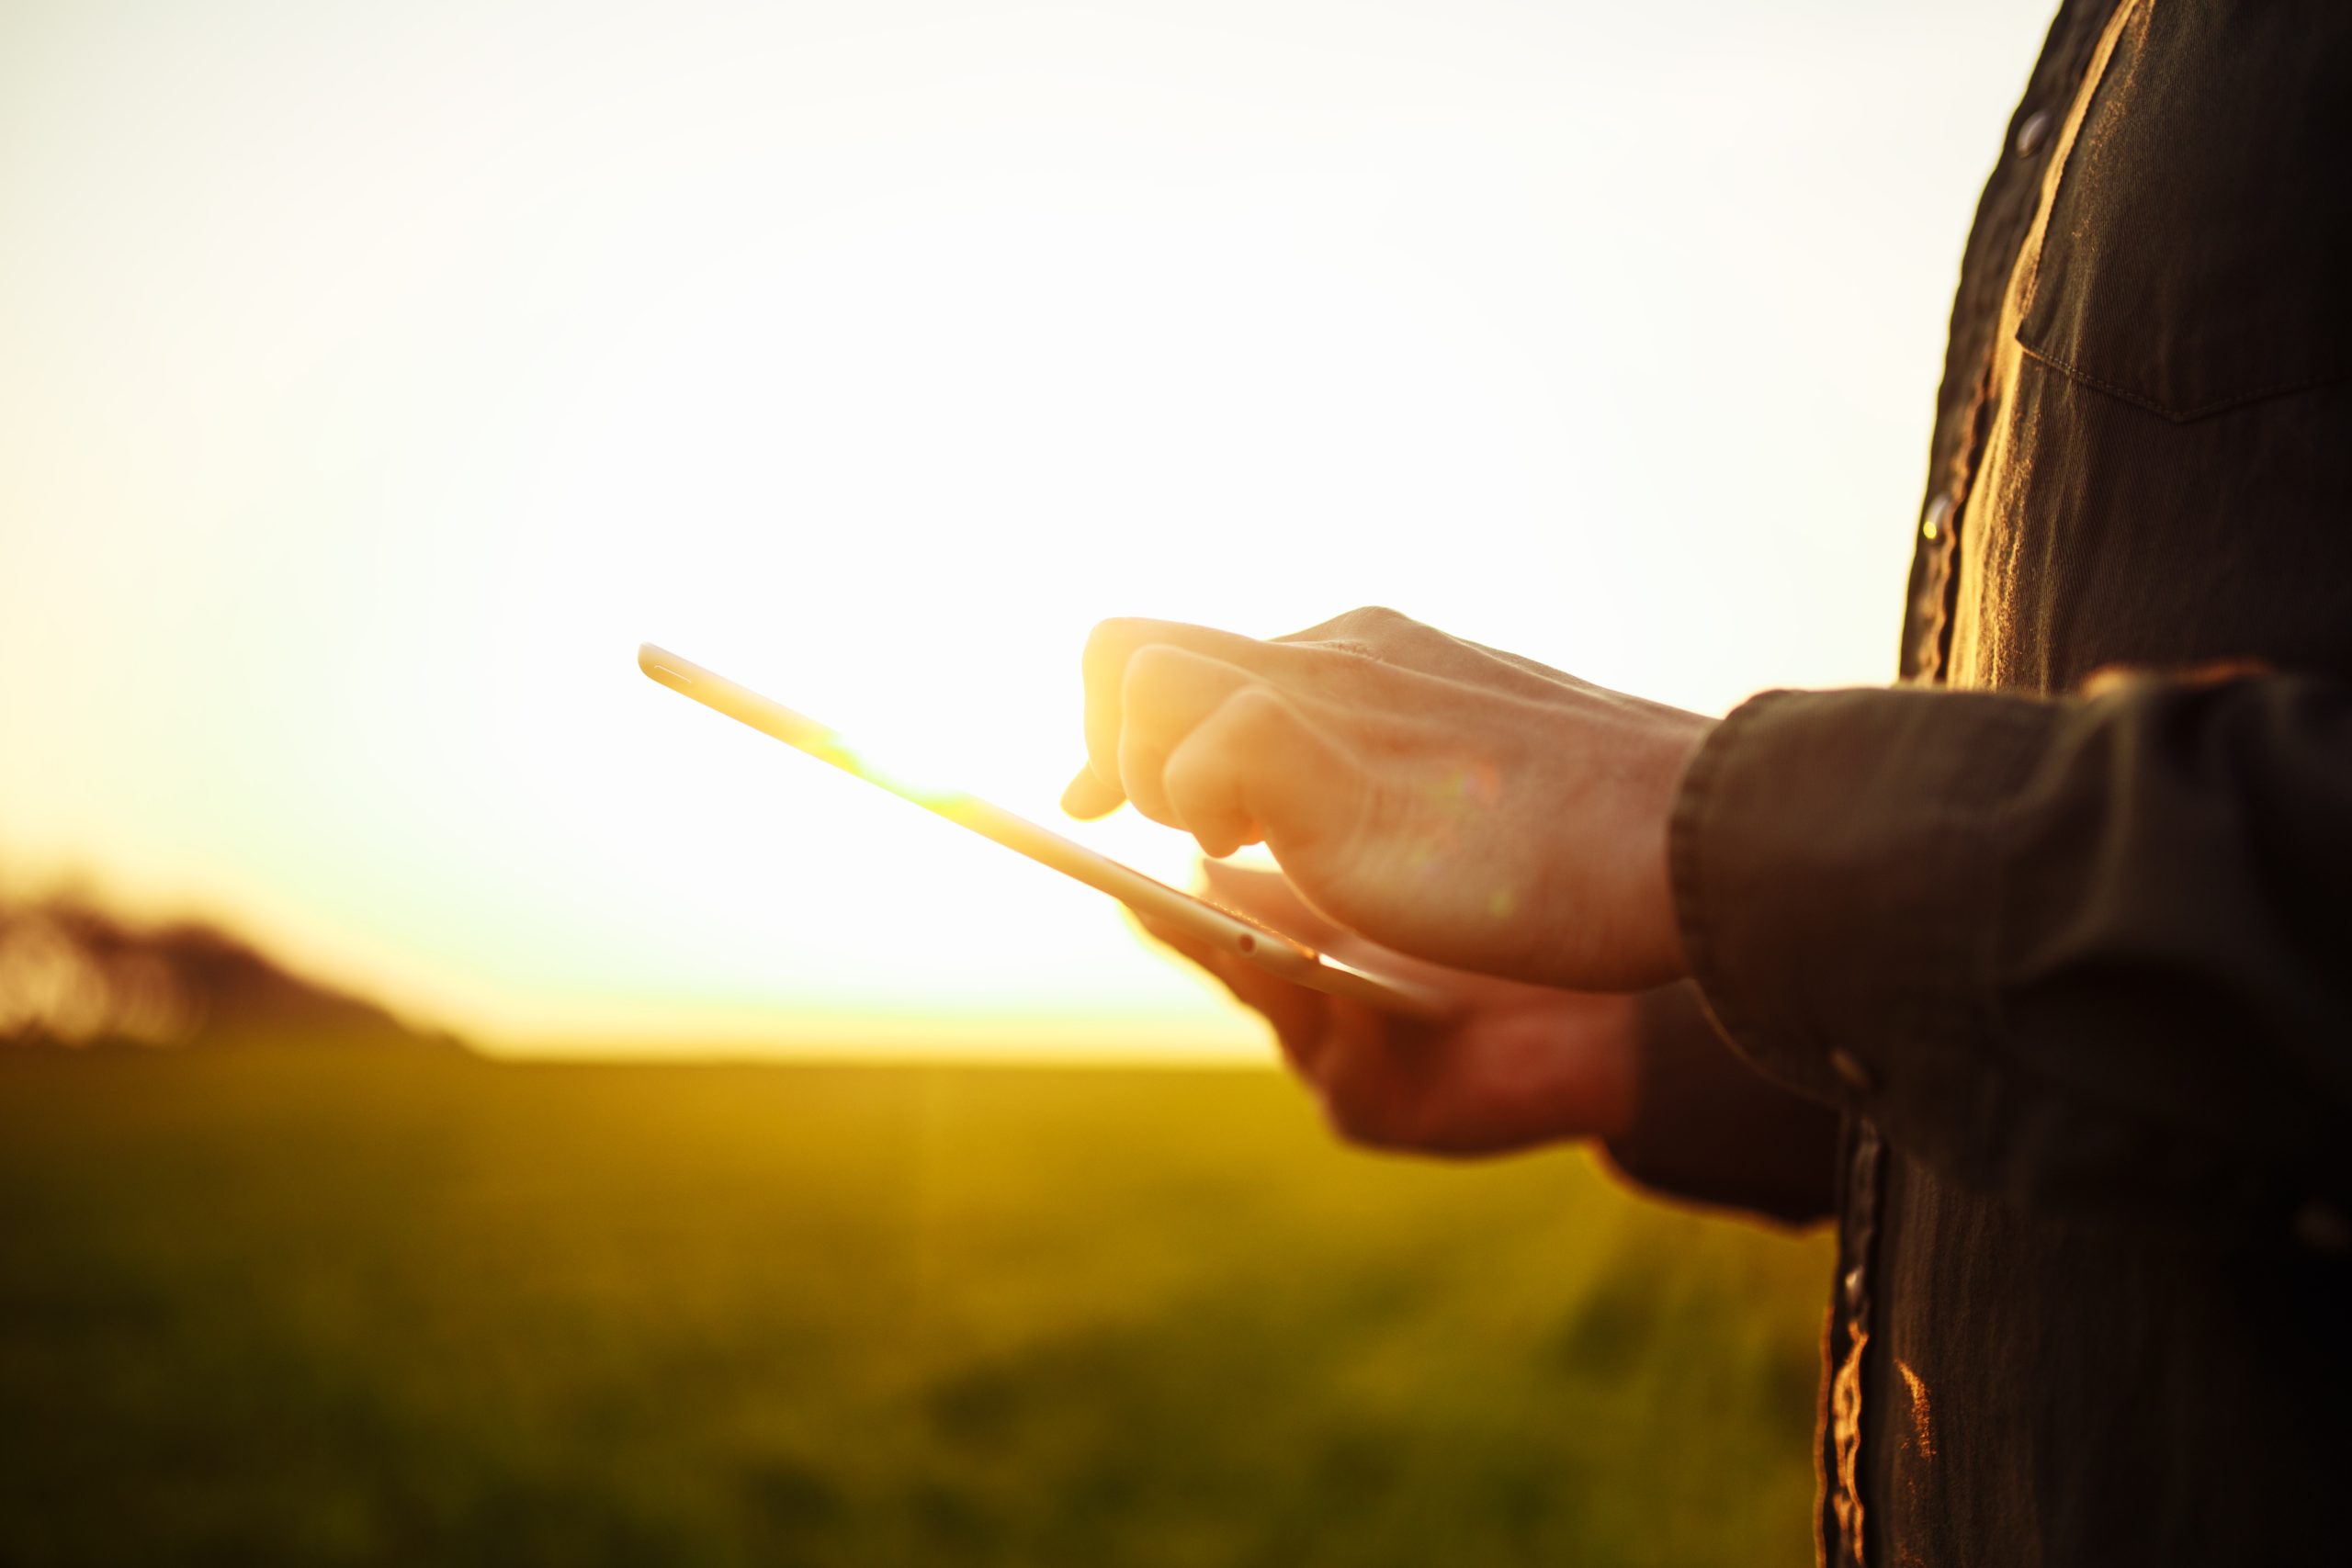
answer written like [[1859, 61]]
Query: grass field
[[374, 1309]]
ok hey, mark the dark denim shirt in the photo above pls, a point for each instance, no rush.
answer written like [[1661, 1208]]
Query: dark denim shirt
[[2049, 991]]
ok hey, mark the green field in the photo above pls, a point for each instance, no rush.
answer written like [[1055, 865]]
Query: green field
[[342, 1309]]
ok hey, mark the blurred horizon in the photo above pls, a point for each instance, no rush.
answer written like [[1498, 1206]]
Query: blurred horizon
[[337, 1307], [376, 380]]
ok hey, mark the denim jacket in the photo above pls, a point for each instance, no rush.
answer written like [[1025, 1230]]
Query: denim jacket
[[2036, 968]]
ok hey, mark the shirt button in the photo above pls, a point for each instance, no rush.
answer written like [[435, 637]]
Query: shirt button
[[2324, 1227], [1848, 1066], [1931, 526], [2033, 133]]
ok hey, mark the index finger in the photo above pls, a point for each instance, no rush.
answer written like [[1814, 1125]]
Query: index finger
[[1109, 648]]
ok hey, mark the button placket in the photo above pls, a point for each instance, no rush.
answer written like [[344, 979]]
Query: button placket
[[1930, 608], [1847, 1396]]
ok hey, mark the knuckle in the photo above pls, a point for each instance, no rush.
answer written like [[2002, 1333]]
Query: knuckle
[[1108, 643], [1149, 801], [1110, 629], [1377, 620], [1197, 795], [1375, 631], [1140, 761], [1151, 662], [1256, 710], [1189, 767]]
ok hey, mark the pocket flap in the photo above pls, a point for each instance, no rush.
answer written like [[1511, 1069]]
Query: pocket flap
[[2198, 249]]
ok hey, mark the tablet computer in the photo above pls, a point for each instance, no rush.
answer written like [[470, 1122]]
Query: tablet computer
[[1227, 929]]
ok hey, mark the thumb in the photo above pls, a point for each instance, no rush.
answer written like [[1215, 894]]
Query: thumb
[[1087, 797]]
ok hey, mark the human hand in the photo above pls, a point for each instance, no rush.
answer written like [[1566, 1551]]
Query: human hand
[[1511, 1067], [1467, 806]]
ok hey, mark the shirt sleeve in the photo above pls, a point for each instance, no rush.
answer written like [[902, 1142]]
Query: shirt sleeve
[[2090, 951], [1708, 1128]]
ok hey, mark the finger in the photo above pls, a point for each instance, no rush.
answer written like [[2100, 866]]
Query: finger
[[1258, 769], [1365, 1075], [1169, 693], [1087, 797], [1114, 642], [1268, 896], [1299, 1016]]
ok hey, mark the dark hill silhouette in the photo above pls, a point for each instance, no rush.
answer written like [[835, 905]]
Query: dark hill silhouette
[[72, 976]]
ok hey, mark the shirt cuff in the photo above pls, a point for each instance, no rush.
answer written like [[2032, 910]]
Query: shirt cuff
[[1832, 861], [1708, 1128]]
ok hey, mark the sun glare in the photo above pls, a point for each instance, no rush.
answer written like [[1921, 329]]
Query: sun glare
[[379, 380]]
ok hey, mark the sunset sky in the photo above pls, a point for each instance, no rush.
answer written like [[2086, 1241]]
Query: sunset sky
[[373, 379]]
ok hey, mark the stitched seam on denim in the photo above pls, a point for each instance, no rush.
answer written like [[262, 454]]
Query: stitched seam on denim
[[2166, 411]]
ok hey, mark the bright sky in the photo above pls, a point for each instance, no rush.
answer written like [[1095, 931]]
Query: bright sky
[[374, 378]]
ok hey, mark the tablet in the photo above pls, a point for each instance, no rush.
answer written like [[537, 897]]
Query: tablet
[[1227, 929]]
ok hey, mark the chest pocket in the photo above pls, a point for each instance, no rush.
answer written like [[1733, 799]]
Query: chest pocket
[[2198, 255]]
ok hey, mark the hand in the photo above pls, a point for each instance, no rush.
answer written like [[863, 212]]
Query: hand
[[1467, 806], [1515, 1066]]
